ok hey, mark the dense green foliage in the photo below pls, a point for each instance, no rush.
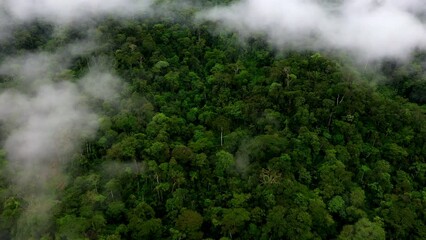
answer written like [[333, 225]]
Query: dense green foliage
[[216, 140]]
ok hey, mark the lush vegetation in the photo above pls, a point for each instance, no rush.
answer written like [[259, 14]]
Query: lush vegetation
[[214, 140]]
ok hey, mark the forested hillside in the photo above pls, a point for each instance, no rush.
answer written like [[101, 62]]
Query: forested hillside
[[212, 137]]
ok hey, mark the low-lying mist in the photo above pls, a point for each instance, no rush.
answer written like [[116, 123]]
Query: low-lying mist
[[367, 29], [45, 119]]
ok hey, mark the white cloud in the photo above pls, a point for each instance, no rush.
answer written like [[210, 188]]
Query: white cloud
[[66, 11], [369, 29], [45, 121]]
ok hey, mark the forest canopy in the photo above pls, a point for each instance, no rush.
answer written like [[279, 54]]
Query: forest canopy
[[160, 127]]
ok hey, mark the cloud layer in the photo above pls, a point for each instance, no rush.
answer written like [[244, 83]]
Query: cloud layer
[[369, 29], [66, 11], [45, 119]]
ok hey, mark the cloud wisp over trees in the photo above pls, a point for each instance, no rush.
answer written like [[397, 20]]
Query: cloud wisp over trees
[[368, 29], [72, 11], [45, 120]]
